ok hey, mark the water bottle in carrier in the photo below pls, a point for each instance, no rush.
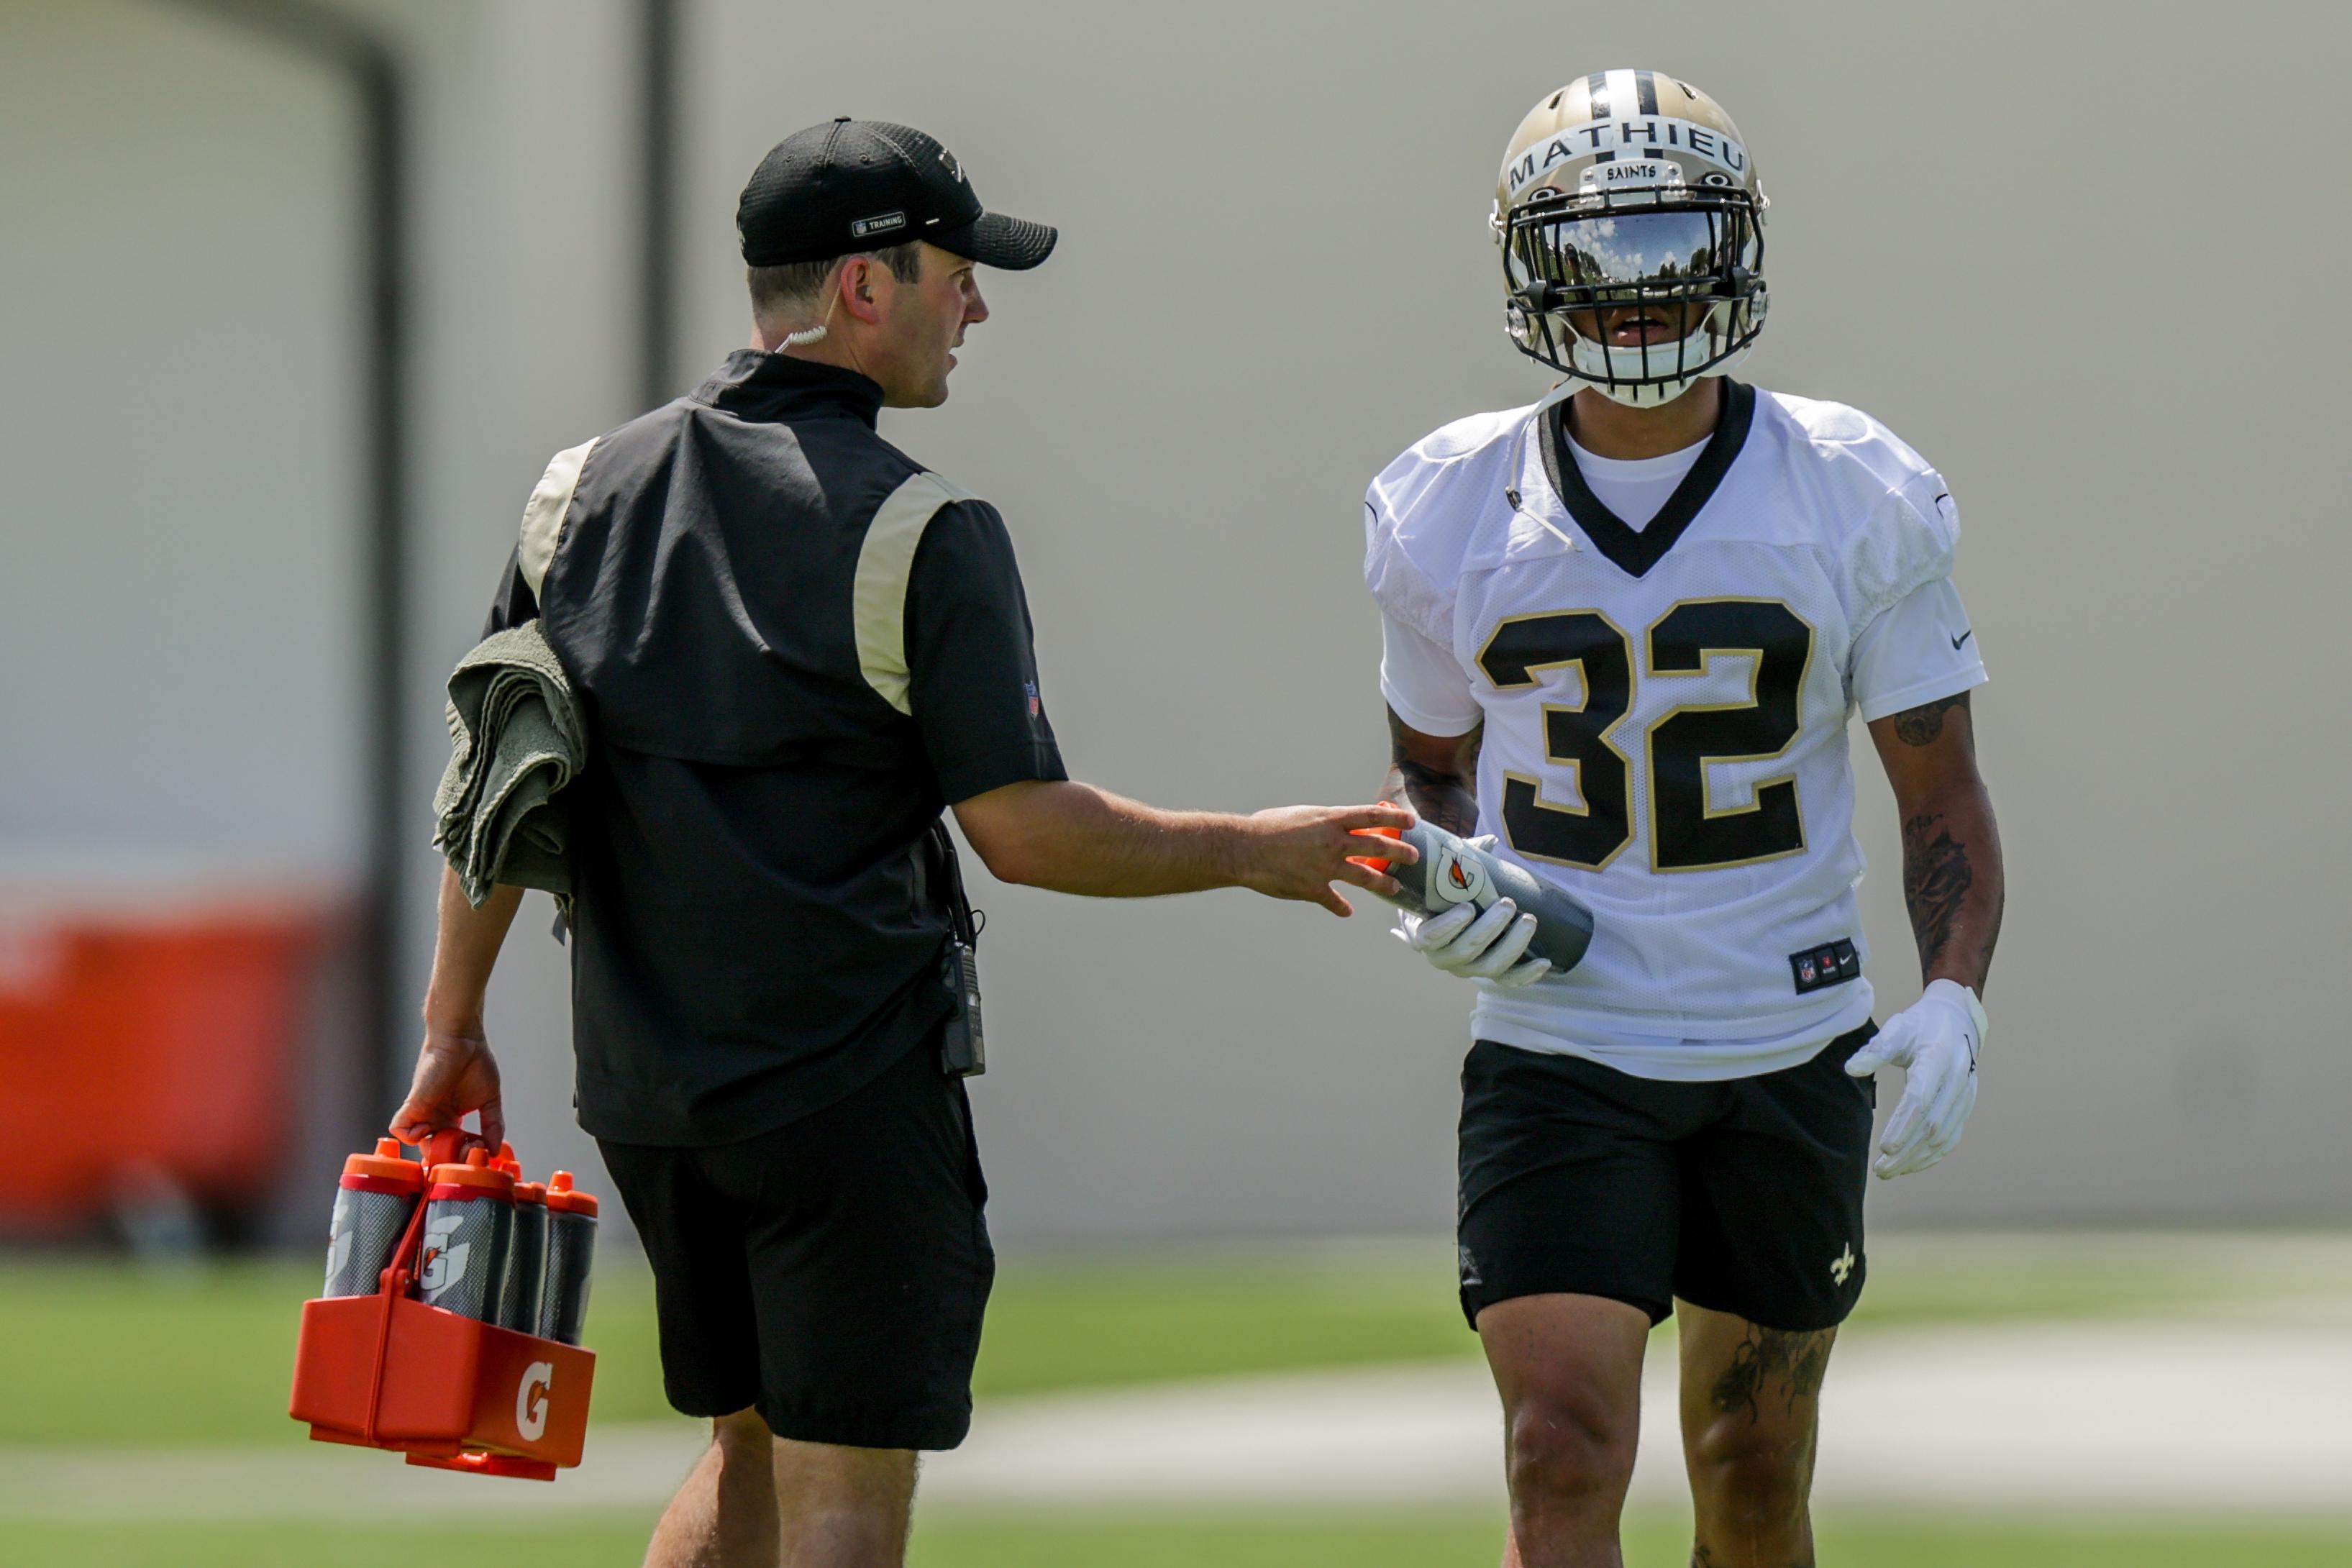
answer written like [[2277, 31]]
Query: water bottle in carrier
[[571, 1255], [469, 1224], [372, 1205], [518, 1306], [1451, 871]]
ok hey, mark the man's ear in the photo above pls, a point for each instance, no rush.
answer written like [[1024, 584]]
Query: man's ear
[[858, 290]]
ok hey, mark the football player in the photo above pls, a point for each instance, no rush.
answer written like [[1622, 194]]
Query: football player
[[1625, 630]]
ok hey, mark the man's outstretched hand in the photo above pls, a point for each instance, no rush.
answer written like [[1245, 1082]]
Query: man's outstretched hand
[[1298, 851], [454, 1074]]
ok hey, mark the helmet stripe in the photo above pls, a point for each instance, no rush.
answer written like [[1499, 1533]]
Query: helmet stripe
[[1596, 92], [1645, 88], [1621, 93]]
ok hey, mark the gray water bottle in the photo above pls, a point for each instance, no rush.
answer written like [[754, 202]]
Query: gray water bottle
[[377, 1194], [570, 1258], [1451, 870], [468, 1232], [527, 1260]]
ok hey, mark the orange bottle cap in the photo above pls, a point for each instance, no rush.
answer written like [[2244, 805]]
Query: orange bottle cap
[[563, 1199], [1376, 864], [476, 1176], [386, 1165]]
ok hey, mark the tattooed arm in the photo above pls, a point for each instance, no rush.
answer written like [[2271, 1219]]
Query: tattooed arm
[[1951, 852], [1437, 775]]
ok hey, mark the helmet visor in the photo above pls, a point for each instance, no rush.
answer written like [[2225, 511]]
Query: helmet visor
[[1616, 256], [1697, 264]]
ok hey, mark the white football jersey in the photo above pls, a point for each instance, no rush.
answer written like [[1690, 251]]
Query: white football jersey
[[1665, 708]]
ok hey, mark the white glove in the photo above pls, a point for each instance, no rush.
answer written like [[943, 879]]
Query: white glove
[[1474, 946], [1935, 1041]]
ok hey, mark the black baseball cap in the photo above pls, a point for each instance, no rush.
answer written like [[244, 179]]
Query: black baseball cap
[[850, 185]]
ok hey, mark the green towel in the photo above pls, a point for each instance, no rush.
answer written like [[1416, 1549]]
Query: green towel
[[517, 737]]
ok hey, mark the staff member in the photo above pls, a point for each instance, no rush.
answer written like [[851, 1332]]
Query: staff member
[[794, 645]]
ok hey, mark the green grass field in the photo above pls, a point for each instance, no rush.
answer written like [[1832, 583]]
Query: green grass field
[[203, 1356], [1181, 1540], [205, 1353]]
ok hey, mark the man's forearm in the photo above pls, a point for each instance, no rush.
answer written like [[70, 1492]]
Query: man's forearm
[[465, 952], [1075, 838], [1952, 884], [1072, 837]]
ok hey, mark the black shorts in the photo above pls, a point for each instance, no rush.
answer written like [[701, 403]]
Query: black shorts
[[1743, 1196], [830, 1274]]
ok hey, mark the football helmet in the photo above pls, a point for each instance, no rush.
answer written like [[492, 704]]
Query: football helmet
[[1630, 190]]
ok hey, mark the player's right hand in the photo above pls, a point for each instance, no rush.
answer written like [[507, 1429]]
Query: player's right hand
[[454, 1074], [1474, 946]]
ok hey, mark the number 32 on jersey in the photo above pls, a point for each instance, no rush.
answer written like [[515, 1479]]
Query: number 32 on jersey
[[1687, 832]]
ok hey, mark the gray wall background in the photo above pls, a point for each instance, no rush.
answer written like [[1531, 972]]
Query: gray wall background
[[2061, 259]]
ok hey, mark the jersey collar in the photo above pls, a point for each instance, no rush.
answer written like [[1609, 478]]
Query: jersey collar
[[757, 385], [1635, 551]]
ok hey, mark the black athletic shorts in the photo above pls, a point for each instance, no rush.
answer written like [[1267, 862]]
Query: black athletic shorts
[[831, 1273], [1743, 1196]]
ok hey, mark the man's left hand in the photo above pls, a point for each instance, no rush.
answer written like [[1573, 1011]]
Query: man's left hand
[[1935, 1041]]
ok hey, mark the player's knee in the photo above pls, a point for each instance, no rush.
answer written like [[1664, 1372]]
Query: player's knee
[[1570, 1443], [1751, 1471]]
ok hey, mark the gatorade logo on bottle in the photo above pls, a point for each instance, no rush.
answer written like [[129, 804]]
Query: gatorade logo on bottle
[[1456, 877], [533, 1397], [444, 1265]]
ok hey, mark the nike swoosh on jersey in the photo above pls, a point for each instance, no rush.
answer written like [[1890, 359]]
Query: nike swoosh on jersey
[[1963, 637]]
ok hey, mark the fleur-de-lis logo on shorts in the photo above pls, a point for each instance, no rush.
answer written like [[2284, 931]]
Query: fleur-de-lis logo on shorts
[[1841, 1265]]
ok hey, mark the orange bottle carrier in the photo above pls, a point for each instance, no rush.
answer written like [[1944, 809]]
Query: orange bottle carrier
[[385, 1370]]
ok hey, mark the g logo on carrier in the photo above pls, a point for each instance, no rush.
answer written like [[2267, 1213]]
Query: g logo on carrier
[[531, 1396], [1455, 879]]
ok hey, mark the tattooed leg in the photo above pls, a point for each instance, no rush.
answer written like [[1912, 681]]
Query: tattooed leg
[[1751, 1406]]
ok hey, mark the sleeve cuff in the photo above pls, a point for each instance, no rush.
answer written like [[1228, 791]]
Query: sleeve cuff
[[1021, 763], [1429, 722], [1951, 683]]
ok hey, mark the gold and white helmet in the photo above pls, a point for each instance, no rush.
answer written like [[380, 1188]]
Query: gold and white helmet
[[1630, 188]]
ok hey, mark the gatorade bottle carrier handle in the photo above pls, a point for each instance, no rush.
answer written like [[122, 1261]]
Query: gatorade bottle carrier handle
[[450, 1392]]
